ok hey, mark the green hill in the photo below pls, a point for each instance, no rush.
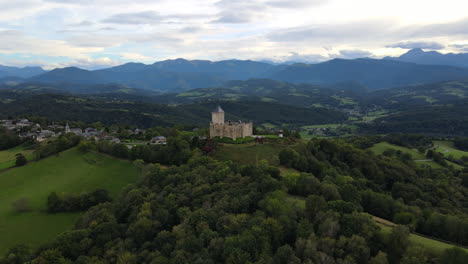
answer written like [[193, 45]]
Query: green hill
[[69, 172]]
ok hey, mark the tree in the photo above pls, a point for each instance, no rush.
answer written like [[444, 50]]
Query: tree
[[380, 258], [20, 160], [314, 204], [454, 255], [415, 255], [21, 205], [50, 256], [17, 255], [53, 203], [398, 242]]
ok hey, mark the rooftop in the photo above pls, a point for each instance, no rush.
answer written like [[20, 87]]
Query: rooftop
[[218, 110]]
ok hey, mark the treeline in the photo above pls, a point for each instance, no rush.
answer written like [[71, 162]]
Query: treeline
[[76, 202], [177, 151], [418, 141], [447, 120], [8, 139], [90, 109], [461, 143], [55, 146], [397, 190], [209, 212]]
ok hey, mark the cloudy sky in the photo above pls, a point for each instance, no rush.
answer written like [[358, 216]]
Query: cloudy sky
[[101, 33]]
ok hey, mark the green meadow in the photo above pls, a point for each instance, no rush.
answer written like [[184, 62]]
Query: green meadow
[[69, 172], [431, 244], [447, 148], [250, 153], [8, 157]]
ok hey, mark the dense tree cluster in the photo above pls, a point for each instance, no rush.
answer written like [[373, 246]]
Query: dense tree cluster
[[208, 211], [56, 146], [8, 139], [20, 160], [72, 202], [177, 151], [461, 143], [214, 212], [430, 201]]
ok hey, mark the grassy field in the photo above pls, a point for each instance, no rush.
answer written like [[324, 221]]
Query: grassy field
[[70, 172], [379, 148], [250, 153], [447, 148], [374, 115], [8, 157], [431, 244], [386, 227], [420, 158]]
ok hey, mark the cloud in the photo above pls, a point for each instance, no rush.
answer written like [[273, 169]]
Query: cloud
[[305, 58], [453, 28], [351, 31], [88, 63], [148, 17], [84, 63], [83, 23], [295, 3], [134, 56], [460, 47], [235, 17], [13, 41], [239, 11], [417, 44], [354, 54], [370, 31], [96, 40]]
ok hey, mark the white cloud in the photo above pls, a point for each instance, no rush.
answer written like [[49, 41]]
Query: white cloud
[[131, 56], [301, 30], [12, 41]]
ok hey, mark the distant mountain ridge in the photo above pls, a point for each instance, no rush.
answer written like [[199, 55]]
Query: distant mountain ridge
[[433, 58], [26, 72], [180, 75], [372, 73]]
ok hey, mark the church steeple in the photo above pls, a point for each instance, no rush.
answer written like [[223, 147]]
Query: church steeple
[[67, 128]]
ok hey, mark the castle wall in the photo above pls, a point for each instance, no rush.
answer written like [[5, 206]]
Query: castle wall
[[232, 130]]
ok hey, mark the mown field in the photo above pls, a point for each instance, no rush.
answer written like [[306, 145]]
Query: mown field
[[448, 149], [431, 244], [250, 153], [379, 148], [69, 172], [418, 157], [8, 157]]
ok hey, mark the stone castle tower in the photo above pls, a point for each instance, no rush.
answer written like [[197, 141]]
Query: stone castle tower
[[218, 128]]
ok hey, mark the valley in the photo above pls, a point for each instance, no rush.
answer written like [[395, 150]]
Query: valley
[[349, 160]]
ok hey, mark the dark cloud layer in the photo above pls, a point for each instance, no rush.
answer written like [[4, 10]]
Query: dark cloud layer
[[417, 44]]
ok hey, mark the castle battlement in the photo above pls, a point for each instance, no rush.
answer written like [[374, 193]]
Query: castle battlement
[[229, 129]]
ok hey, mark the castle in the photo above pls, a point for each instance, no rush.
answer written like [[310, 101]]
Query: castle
[[218, 128]]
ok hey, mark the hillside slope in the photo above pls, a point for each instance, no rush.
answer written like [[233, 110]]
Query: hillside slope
[[69, 172]]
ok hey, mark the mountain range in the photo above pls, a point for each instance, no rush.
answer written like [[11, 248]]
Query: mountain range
[[413, 68], [433, 58], [26, 72]]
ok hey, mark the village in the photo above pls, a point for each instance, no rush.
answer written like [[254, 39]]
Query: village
[[27, 129]]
